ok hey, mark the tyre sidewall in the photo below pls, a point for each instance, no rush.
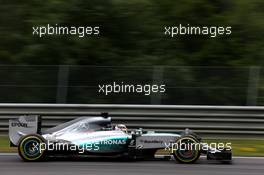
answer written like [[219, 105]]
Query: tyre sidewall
[[25, 140], [181, 159]]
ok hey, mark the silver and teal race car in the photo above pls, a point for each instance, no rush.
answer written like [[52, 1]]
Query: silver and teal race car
[[97, 137]]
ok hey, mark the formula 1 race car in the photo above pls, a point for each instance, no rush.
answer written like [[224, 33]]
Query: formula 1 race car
[[96, 136]]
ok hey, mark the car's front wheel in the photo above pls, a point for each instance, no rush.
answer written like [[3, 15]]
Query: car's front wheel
[[32, 148], [186, 149]]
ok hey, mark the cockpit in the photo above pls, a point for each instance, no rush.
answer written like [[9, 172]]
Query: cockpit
[[86, 124], [82, 124]]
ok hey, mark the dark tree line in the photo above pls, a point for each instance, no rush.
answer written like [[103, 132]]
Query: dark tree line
[[132, 34]]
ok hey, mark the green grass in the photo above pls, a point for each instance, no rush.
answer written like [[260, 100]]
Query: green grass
[[5, 145], [240, 147]]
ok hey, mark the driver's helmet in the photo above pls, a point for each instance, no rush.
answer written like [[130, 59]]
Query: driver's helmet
[[121, 127]]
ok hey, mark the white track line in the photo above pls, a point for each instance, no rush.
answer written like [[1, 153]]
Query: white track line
[[235, 157], [241, 157]]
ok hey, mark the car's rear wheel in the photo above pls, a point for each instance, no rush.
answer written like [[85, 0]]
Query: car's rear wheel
[[186, 149], [32, 148]]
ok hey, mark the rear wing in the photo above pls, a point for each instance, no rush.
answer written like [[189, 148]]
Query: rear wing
[[24, 125]]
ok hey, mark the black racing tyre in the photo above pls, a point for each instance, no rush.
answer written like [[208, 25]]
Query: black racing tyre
[[187, 149], [32, 148]]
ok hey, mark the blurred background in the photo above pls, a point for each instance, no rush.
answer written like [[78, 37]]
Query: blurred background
[[132, 48], [226, 70], [184, 85]]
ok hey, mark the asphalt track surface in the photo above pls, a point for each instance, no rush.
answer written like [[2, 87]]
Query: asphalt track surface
[[12, 165]]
